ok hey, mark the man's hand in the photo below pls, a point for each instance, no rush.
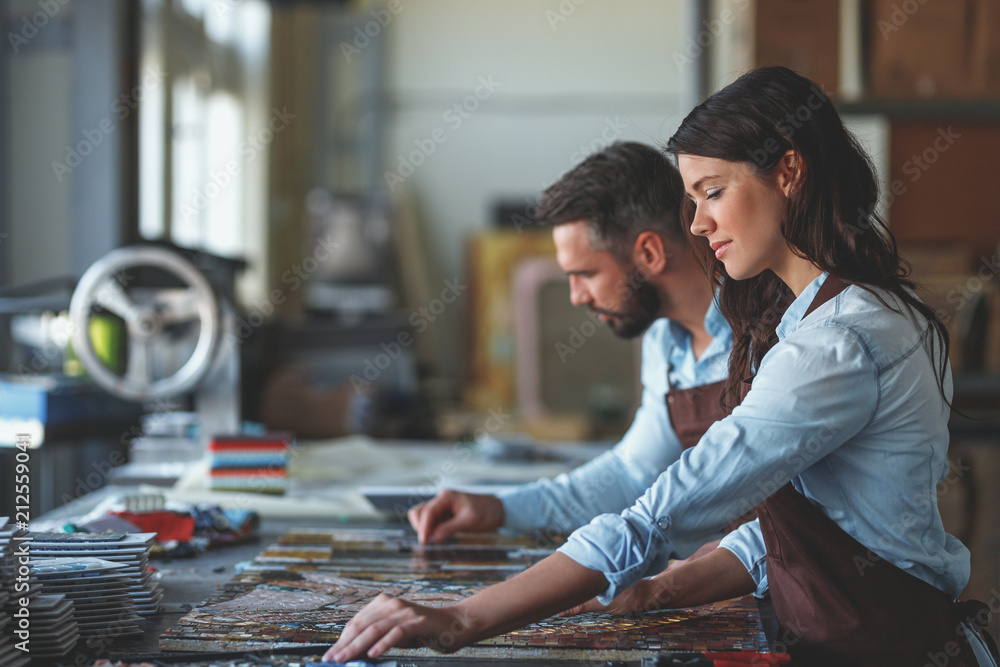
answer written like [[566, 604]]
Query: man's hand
[[387, 622], [450, 512], [718, 575], [703, 550]]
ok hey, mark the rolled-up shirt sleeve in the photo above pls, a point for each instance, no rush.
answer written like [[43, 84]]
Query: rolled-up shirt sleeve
[[605, 484], [814, 391], [614, 480], [747, 544]]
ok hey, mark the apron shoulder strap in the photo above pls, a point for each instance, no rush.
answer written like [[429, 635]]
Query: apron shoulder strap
[[830, 288]]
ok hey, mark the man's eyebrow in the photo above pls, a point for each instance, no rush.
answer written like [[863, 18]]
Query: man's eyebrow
[[579, 272]]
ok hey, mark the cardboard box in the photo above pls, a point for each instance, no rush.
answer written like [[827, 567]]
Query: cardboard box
[[921, 49], [293, 402], [803, 35]]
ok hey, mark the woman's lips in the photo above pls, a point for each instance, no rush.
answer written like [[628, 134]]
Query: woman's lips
[[720, 248]]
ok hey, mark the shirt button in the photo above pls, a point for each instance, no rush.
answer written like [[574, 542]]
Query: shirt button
[[663, 523]]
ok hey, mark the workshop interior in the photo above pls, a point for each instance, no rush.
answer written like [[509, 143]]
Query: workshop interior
[[270, 277]]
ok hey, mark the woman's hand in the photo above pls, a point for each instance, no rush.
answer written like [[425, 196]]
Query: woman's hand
[[387, 622], [646, 595], [555, 583]]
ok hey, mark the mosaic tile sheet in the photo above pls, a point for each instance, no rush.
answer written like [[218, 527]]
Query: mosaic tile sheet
[[303, 590]]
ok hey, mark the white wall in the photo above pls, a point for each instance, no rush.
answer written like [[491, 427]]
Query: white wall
[[610, 67]]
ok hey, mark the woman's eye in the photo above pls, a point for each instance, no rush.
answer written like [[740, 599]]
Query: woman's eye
[[713, 194]]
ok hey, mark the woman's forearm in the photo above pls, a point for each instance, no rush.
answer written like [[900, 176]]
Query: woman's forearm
[[716, 576], [548, 587]]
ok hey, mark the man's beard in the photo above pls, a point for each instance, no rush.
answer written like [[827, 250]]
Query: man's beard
[[641, 307]]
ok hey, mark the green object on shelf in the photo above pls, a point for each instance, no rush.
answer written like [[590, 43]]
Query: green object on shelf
[[106, 334]]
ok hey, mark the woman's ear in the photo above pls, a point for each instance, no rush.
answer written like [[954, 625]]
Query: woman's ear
[[789, 172]]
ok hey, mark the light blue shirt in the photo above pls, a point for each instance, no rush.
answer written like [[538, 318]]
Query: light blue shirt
[[614, 480], [846, 406]]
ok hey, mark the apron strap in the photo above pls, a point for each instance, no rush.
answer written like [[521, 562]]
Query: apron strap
[[830, 288]]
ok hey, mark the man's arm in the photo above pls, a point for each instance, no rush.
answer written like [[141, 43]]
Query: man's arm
[[607, 484], [614, 480]]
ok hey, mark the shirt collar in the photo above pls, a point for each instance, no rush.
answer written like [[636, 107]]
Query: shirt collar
[[715, 324], [793, 315]]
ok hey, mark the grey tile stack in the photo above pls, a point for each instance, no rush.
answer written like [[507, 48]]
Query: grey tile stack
[[54, 630], [99, 590], [130, 550]]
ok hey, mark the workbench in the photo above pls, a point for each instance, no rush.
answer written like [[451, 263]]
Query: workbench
[[187, 582]]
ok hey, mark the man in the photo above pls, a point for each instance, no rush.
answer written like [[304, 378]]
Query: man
[[616, 224]]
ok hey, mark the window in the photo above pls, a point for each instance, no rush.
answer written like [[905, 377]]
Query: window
[[197, 180]]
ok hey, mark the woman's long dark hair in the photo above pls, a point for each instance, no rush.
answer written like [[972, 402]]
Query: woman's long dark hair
[[830, 218]]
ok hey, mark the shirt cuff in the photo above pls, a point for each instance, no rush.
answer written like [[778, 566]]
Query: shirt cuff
[[623, 548], [747, 544], [520, 507]]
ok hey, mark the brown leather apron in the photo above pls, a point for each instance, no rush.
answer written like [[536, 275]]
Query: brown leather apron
[[693, 410], [839, 603]]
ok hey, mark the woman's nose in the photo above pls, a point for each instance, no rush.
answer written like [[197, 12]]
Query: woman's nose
[[702, 223]]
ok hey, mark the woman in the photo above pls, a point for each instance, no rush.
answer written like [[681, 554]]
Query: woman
[[844, 431]]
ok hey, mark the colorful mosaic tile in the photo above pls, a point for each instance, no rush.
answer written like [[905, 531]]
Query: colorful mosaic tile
[[305, 588]]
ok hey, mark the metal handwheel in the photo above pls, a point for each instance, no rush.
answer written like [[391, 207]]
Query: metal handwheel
[[172, 332]]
